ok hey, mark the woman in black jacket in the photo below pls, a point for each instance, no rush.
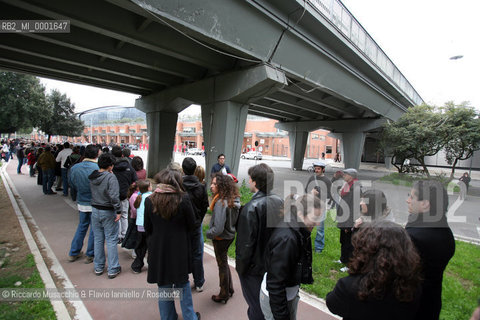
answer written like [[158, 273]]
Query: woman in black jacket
[[169, 219], [225, 207], [288, 257], [384, 280]]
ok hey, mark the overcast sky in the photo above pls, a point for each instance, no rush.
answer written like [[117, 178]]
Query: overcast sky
[[419, 36]]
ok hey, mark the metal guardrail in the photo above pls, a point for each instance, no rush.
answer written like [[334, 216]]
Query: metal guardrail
[[346, 23]]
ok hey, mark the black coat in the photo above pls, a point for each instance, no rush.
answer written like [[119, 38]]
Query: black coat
[[199, 197], [125, 174], [288, 260], [169, 251], [343, 301], [436, 246], [254, 225]]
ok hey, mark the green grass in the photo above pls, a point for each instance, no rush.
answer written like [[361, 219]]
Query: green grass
[[461, 282], [24, 310], [405, 179]]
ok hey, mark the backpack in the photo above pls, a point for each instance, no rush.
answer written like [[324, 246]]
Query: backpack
[[71, 161]]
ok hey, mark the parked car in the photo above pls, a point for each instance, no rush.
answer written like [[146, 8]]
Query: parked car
[[194, 151], [132, 147], [255, 155]]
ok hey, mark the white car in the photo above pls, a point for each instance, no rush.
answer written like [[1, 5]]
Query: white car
[[255, 155], [194, 151]]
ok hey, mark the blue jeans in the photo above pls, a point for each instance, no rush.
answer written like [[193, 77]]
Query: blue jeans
[[47, 180], [320, 238], [197, 256], [32, 171], [20, 164], [65, 181], [77, 242], [167, 307], [105, 229]]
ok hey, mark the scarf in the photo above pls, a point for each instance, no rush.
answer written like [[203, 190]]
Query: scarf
[[346, 188], [165, 188], [214, 200]]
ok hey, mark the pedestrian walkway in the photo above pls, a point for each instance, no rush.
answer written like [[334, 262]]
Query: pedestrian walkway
[[57, 218]]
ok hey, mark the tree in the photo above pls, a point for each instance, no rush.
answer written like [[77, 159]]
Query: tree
[[22, 101], [420, 132], [60, 119], [463, 133]]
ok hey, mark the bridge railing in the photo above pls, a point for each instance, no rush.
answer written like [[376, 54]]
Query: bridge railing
[[346, 23]]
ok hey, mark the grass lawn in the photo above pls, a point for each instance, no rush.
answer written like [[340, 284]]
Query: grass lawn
[[25, 310], [461, 284]]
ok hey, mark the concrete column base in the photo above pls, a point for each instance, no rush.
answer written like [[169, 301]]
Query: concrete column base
[[161, 127], [223, 130], [298, 143]]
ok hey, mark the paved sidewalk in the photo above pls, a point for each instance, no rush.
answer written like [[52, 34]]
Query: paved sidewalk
[[57, 218]]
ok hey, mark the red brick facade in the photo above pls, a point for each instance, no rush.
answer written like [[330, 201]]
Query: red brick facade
[[271, 141]]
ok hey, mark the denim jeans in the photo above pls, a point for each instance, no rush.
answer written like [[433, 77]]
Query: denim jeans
[[105, 229], [47, 180], [32, 171], [320, 237], [65, 181], [267, 311], [77, 242], [123, 222], [20, 164], [197, 256], [167, 307], [251, 292]]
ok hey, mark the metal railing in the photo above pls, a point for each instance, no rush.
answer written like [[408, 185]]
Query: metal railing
[[346, 23]]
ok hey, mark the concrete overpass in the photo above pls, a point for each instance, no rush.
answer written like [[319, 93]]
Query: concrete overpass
[[308, 64]]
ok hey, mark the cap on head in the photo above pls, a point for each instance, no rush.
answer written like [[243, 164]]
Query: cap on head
[[351, 172], [319, 164]]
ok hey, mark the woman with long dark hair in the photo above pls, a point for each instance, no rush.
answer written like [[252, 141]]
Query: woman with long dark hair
[[168, 220], [384, 276], [225, 207]]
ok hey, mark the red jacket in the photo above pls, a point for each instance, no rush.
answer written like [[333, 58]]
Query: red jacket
[[31, 159]]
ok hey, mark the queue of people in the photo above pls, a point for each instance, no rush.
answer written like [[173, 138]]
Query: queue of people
[[393, 272]]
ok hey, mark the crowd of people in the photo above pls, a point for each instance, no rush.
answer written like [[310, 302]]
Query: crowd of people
[[393, 272]]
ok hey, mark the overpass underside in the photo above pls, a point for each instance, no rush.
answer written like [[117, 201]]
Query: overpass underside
[[279, 59]]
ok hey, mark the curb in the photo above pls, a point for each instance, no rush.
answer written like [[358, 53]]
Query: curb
[[19, 207]]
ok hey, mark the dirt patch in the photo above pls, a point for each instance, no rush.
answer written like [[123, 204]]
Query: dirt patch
[[13, 246]]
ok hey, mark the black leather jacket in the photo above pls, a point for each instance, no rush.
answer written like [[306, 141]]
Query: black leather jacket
[[254, 227], [288, 260]]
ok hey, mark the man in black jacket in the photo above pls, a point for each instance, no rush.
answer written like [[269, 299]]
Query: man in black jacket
[[428, 228], [289, 257], [199, 198], [126, 175], [254, 227]]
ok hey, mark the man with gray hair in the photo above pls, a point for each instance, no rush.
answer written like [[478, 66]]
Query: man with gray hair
[[345, 214]]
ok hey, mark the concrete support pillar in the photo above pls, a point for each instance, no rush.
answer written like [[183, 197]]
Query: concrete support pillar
[[161, 127], [223, 129], [298, 143], [353, 147]]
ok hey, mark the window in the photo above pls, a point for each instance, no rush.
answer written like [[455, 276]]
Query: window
[[315, 136], [328, 149]]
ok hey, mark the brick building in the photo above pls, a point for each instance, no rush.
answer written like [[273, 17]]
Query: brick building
[[127, 125]]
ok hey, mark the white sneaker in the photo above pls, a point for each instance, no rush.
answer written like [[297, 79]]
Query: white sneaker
[[199, 289], [337, 261], [344, 269]]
